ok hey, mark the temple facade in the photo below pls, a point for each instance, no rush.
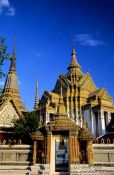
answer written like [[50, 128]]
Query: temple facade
[[70, 117], [82, 99]]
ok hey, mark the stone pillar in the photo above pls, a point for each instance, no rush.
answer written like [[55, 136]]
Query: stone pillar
[[47, 117], [89, 152], [101, 123], [48, 148], [34, 152], [109, 117]]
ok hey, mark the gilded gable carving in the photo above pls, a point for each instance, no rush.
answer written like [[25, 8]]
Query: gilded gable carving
[[7, 114], [89, 85], [105, 96]]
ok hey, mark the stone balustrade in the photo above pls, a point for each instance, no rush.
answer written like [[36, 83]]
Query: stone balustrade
[[15, 154]]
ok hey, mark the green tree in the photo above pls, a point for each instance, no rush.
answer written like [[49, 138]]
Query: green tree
[[3, 54], [25, 126]]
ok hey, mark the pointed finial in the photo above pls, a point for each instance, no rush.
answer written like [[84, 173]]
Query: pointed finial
[[36, 96], [59, 71], [61, 90], [14, 48], [73, 40], [73, 50], [13, 58]]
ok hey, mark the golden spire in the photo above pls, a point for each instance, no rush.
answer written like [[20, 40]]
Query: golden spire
[[36, 96], [11, 88], [13, 58], [74, 68], [61, 107]]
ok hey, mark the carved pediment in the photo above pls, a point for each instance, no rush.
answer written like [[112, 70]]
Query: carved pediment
[[87, 83], [7, 114], [62, 80], [105, 96]]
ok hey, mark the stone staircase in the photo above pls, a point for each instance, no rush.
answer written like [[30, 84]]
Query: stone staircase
[[44, 169], [14, 170], [38, 169], [86, 169]]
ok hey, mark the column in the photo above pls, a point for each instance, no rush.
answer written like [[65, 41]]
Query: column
[[76, 144], [67, 101], [71, 103], [101, 123], [47, 117], [109, 117], [48, 148], [34, 152], [73, 148], [70, 149], [92, 121], [90, 152]]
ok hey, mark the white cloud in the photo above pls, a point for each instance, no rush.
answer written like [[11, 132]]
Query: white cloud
[[11, 11], [7, 8], [2, 82], [88, 40], [4, 3]]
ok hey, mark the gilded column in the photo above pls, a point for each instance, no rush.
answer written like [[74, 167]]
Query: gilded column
[[67, 101], [48, 148], [70, 149], [71, 98], [76, 150], [90, 152], [34, 152]]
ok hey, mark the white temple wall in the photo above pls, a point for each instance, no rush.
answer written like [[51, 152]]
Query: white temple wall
[[93, 124], [47, 118], [87, 117]]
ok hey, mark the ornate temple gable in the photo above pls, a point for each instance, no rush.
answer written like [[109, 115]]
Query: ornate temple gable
[[50, 99], [62, 122], [61, 80], [87, 83], [102, 94], [8, 112]]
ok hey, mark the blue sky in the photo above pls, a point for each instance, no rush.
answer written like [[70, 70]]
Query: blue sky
[[43, 31]]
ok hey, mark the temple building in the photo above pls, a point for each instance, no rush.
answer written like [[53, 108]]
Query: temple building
[[71, 116], [82, 100]]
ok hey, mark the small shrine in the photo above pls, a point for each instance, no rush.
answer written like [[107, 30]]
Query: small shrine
[[62, 142]]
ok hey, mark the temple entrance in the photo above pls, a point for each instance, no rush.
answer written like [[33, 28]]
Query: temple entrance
[[83, 152], [59, 152], [61, 155]]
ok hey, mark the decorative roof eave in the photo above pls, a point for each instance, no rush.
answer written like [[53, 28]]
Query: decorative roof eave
[[85, 134], [37, 136], [98, 94], [62, 122]]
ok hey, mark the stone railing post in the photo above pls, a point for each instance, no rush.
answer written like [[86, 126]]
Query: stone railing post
[[34, 152]]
